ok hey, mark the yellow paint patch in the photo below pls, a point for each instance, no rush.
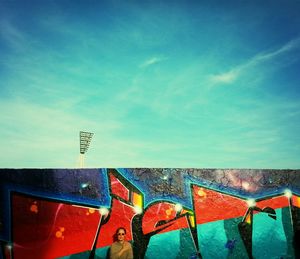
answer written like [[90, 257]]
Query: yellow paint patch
[[169, 212], [201, 194], [90, 211], [137, 200], [192, 221], [248, 219], [59, 233]]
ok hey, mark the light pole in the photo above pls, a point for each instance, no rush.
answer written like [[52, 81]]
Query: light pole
[[84, 141]]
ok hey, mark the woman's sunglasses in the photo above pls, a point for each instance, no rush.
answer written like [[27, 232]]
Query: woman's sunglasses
[[119, 234]]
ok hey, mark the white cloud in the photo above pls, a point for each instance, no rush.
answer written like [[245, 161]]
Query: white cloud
[[226, 78], [152, 61]]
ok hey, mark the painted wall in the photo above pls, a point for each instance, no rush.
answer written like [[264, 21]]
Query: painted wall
[[168, 213]]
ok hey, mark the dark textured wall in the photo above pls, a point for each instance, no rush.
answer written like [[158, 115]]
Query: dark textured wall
[[168, 213]]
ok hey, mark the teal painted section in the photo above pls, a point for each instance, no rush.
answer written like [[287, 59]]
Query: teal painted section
[[102, 253], [84, 255], [187, 246], [288, 229], [212, 238], [233, 235], [269, 240], [166, 245]]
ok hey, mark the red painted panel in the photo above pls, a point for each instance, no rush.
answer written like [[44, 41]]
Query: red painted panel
[[296, 201], [118, 189], [45, 229], [162, 211], [211, 205], [274, 203], [121, 216]]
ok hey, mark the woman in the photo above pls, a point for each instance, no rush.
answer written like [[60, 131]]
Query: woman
[[121, 249]]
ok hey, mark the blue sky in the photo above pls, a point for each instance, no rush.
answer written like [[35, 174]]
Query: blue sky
[[209, 84]]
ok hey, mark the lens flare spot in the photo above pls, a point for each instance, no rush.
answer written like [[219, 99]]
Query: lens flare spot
[[84, 185], [103, 211], [288, 193], [246, 185], [178, 207], [251, 203], [138, 210]]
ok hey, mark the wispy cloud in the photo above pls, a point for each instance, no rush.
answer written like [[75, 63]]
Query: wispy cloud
[[290, 46], [233, 74], [11, 35], [152, 61]]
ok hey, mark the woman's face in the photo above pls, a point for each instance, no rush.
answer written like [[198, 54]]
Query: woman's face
[[121, 235]]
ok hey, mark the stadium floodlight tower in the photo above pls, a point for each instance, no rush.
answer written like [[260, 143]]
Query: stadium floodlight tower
[[85, 140]]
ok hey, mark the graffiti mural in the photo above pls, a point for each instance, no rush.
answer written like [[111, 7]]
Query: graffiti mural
[[167, 213]]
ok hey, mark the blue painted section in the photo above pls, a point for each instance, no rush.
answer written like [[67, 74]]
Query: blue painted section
[[269, 240], [187, 177], [66, 184]]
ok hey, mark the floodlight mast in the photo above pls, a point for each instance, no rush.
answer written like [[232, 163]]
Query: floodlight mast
[[84, 141]]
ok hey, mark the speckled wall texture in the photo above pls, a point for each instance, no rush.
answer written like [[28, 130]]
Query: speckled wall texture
[[168, 213]]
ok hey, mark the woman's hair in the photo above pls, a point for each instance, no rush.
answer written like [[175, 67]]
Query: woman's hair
[[115, 236], [120, 229]]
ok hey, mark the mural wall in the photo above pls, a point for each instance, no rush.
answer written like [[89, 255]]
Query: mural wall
[[168, 213]]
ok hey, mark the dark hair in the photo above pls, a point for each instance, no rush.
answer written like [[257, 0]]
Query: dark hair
[[117, 231]]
